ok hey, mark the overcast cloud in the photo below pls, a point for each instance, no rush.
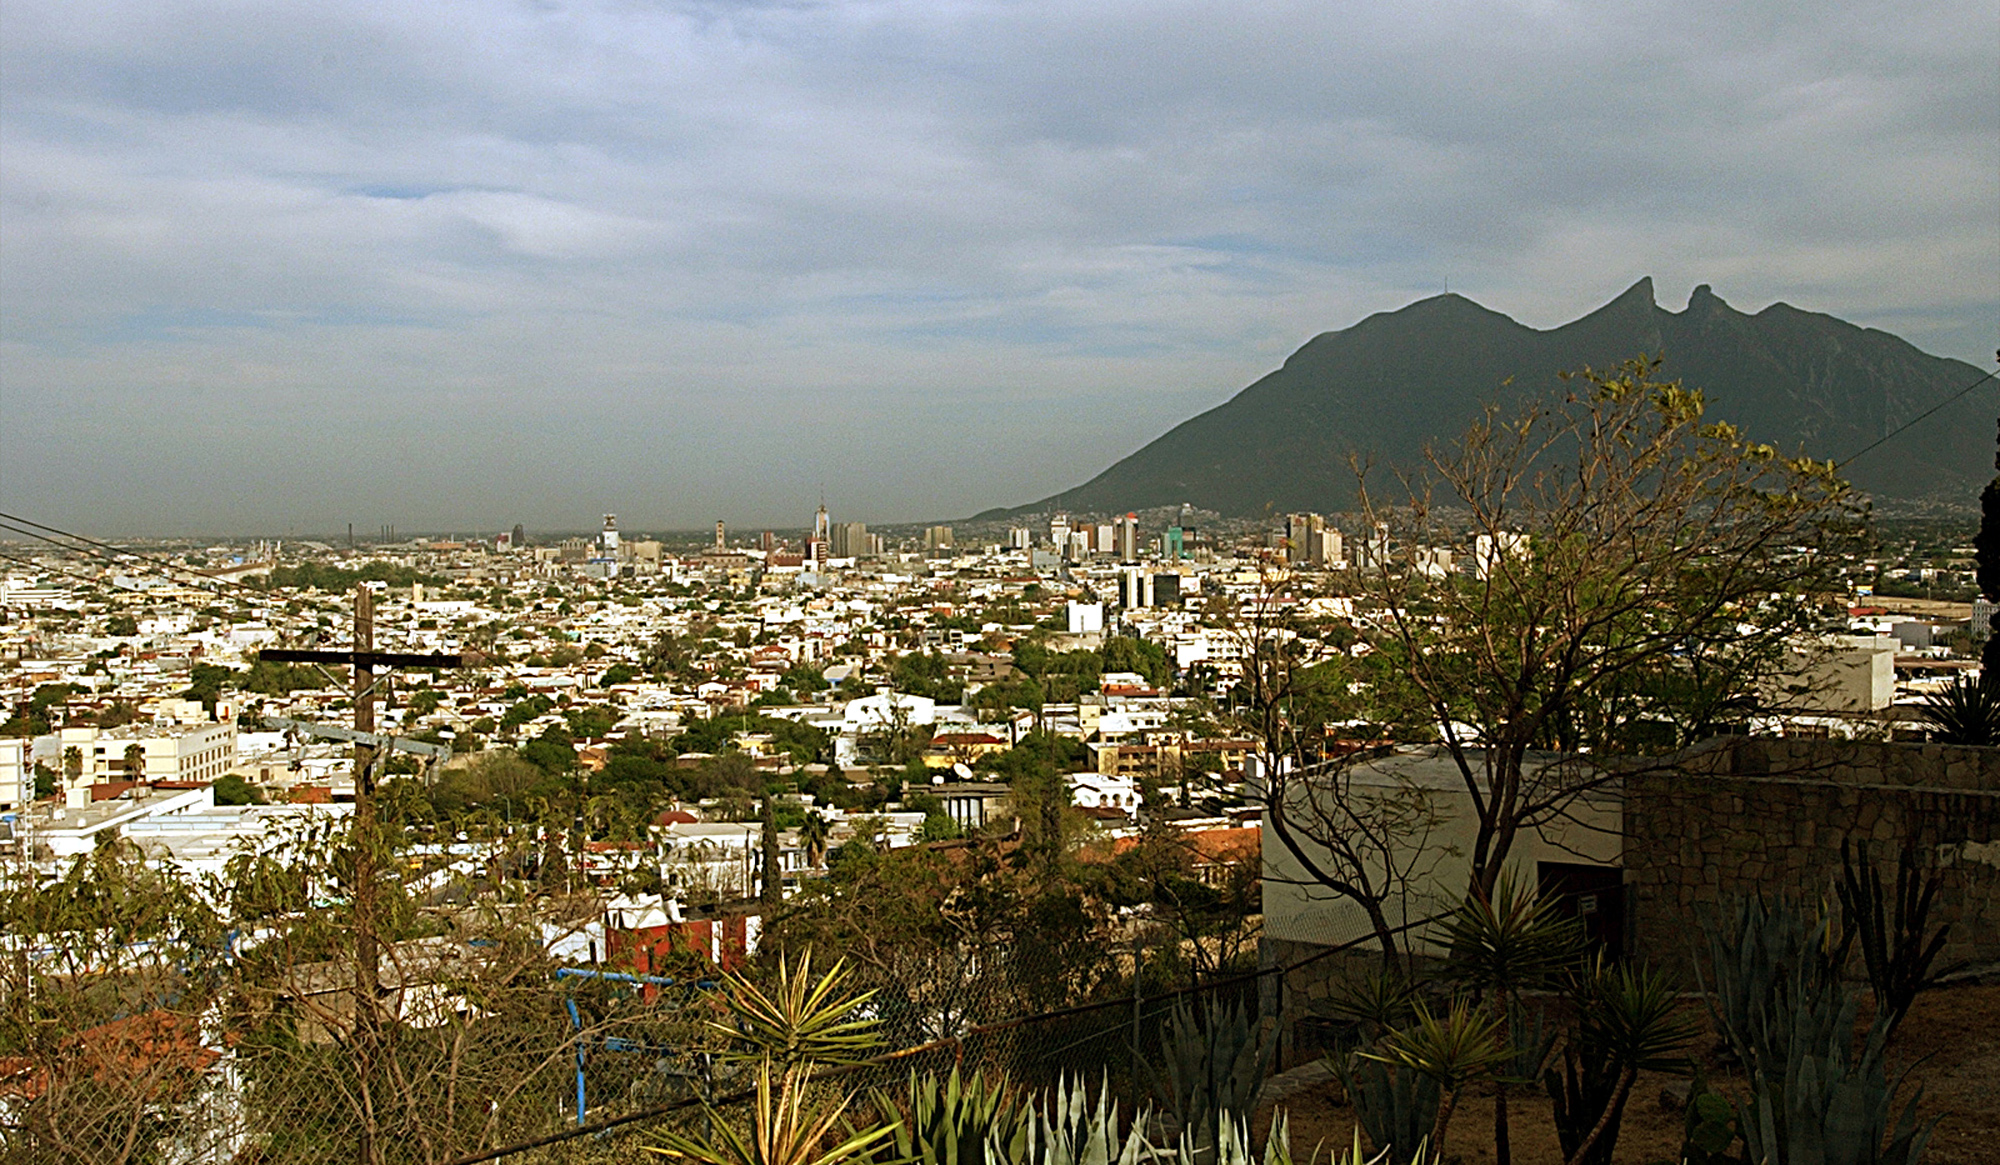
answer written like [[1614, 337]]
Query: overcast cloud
[[270, 267]]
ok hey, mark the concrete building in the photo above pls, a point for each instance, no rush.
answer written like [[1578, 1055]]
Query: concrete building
[[17, 778], [1128, 538], [850, 540], [168, 752]]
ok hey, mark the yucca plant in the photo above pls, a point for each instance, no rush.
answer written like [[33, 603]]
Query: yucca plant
[[1890, 926], [787, 1126], [800, 1020], [1501, 945], [1453, 1049], [1963, 712], [1212, 1063], [970, 1120], [1628, 1022], [1377, 1004]]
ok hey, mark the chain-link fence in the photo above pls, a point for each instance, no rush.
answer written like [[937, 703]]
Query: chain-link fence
[[137, 1026]]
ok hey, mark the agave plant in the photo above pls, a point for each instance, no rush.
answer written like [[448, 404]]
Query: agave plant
[[1813, 1097], [1212, 1064], [801, 1020], [1397, 1106], [1233, 1146], [786, 1126], [1067, 1129], [969, 1120]]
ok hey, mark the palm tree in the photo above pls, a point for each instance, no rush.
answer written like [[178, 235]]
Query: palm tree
[[813, 835], [135, 761], [72, 765]]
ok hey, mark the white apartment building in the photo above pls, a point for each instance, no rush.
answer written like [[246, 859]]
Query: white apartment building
[[172, 752], [17, 781]]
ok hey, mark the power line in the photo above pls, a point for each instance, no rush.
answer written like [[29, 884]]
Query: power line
[[32, 564], [109, 552], [1919, 417]]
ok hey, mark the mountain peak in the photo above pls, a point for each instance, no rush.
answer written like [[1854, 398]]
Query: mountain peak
[[1392, 383]]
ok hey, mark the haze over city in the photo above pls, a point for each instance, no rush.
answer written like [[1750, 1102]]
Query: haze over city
[[285, 267]]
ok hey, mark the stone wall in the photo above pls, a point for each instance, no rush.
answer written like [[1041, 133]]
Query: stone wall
[[1741, 817]]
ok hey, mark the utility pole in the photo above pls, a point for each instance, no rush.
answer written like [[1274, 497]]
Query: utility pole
[[365, 840], [367, 997]]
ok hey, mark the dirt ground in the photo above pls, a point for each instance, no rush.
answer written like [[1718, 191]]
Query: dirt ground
[[1950, 1042]]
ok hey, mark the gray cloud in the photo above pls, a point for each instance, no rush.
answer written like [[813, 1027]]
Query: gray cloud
[[271, 267]]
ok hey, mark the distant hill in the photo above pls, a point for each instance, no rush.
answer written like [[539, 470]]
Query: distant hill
[[1386, 386]]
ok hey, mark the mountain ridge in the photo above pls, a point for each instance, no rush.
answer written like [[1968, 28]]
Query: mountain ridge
[[1382, 387]]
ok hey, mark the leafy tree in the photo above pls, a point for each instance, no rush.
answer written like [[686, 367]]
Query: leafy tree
[[594, 720], [1130, 654], [1638, 574], [231, 789], [554, 751], [207, 682]]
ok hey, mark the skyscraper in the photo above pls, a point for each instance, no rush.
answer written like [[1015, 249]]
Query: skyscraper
[[850, 540], [1128, 538], [520, 536]]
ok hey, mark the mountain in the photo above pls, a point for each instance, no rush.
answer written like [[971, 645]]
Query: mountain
[[1383, 388]]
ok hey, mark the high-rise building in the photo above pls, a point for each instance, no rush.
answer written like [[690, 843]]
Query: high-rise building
[[520, 536], [1020, 538], [1135, 589], [850, 540], [719, 543], [607, 539], [937, 538], [1106, 539], [1172, 548], [819, 546], [1059, 532], [1325, 549], [1128, 538]]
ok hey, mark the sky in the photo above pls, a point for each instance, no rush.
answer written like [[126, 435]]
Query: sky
[[272, 268]]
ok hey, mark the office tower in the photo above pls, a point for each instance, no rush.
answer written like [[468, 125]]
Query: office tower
[[607, 539], [1128, 538], [937, 537], [1059, 532], [520, 538], [1020, 538], [850, 540]]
